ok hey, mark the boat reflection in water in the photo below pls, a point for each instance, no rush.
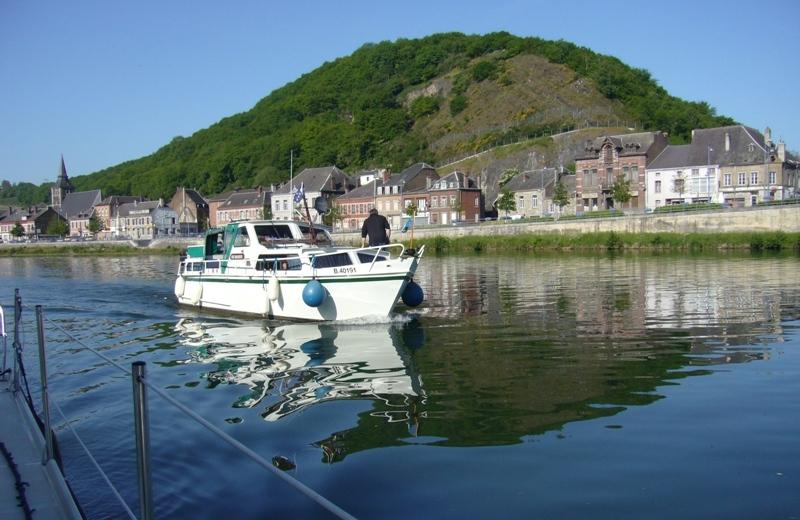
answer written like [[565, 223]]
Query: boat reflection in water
[[293, 366]]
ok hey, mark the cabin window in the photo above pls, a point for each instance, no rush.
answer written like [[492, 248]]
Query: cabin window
[[279, 262], [242, 240], [270, 232], [337, 260], [366, 257], [322, 236]]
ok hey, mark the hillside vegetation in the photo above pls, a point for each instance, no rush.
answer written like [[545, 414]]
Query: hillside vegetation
[[391, 104]]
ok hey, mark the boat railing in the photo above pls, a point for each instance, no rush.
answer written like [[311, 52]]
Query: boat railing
[[380, 249], [215, 266], [140, 388], [4, 339]]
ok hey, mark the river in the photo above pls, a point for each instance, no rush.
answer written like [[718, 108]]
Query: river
[[554, 386]]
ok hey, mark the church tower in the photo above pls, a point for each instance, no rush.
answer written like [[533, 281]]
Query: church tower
[[59, 190]]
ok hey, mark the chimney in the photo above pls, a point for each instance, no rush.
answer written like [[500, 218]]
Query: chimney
[[727, 142], [782, 151], [385, 173], [768, 136]]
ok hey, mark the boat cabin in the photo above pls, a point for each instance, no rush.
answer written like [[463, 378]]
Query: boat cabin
[[233, 241]]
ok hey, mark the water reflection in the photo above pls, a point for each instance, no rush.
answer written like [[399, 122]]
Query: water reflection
[[292, 366], [509, 348]]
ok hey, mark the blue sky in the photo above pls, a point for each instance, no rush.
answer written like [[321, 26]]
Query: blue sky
[[106, 82]]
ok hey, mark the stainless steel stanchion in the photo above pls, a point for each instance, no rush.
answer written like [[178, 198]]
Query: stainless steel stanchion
[[142, 428], [48, 432]]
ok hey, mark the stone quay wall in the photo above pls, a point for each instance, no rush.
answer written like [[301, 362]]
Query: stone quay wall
[[745, 220]]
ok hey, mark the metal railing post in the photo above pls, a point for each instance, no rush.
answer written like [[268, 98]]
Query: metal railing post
[[48, 432], [142, 429], [5, 343], [16, 346]]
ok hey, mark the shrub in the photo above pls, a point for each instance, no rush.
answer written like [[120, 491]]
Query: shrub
[[457, 105], [484, 70], [423, 106]]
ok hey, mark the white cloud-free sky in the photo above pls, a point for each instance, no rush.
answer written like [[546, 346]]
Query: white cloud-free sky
[[106, 82]]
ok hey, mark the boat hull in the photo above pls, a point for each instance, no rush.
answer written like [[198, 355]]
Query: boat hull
[[346, 298]]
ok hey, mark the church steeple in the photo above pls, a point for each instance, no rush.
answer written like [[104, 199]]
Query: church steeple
[[61, 188]]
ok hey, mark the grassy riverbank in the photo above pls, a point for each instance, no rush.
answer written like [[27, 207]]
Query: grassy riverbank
[[92, 249], [522, 243], [611, 241]]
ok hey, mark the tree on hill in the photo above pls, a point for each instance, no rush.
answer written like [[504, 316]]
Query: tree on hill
[[351, 112]]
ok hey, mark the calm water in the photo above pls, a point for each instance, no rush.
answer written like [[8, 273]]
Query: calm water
[[547, 387]]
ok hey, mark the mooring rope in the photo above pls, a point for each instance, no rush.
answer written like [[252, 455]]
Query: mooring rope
[[19, 484]]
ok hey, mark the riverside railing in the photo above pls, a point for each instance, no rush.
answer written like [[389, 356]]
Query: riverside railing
[[140, 386]]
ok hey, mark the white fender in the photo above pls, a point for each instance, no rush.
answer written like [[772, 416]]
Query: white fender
[[273, 288], [197, 295], [180, 286]]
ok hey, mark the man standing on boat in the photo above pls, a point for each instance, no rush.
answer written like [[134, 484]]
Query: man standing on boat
[[377, 227]]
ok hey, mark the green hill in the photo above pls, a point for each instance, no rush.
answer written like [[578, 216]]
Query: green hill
[[395, 103]]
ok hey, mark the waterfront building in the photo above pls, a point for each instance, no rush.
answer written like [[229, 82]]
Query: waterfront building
[[78, 207], [752, 168], [249, 204], [534, 192], [454, 198], [682, 174], [329, 182], [147, 220], [192, 210], [107, 211], [356, 203], [390, 198], [34, 222], [734, 165], [612, 157], [213, 205], [528, 189]]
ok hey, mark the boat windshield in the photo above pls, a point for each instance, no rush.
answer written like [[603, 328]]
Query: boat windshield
[[267, 233], [323, 238]]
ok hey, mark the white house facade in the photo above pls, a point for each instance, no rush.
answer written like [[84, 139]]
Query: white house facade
[[671, 180], [146, 220]]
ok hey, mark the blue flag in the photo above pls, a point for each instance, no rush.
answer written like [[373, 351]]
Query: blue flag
[[299, 194]]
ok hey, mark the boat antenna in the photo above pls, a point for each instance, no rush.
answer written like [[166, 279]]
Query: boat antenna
[[310, 224]]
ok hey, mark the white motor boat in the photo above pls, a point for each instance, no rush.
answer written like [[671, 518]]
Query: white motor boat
[[288, 269]]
